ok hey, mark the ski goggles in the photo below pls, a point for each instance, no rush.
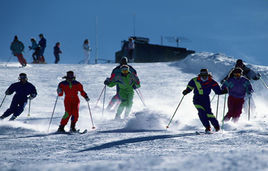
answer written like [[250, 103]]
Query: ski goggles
[[237, 74], [124, 70], [22, 77]]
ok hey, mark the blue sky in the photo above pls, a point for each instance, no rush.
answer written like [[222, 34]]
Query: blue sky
[[235, 28]]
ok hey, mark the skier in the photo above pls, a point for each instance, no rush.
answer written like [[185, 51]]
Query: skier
[[250, 75], [36, 49], [202, 86], [87, 51], [117, 71], [57, 52], [246, 71], [71, 101], [42, 44], [130, 49], [24, 90], [237, 86], [125, 81], [17, 48]]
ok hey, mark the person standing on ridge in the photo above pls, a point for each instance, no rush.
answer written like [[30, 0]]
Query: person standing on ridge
[[17, 48], [87, 50], [130, 49], [24, 91], [70, 88], [202, 86], [125, 81], [115, 72], [42, 44], [57, 52], [237, 87], [36, 49]]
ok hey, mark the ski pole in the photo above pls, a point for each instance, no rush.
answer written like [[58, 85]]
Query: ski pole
[[100, 95], [93, 127], [29, 109], [140, 98], [217, 106], [223, 111], [212, 98], [249, 108], [264, 83], [104, 94], [52, 113], [3, 100], [175, 112], [8, 60]]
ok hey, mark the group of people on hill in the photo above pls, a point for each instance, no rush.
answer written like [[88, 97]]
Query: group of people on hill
[[17, 48], [124, 78]]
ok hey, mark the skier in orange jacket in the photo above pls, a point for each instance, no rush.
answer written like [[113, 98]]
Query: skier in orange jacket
[[71, 101]]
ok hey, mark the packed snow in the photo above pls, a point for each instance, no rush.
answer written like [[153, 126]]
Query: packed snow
[[140, 142]]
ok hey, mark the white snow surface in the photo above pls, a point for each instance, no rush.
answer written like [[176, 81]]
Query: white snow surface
[[140, 142]]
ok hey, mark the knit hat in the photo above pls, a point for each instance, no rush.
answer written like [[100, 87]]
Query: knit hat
[[204, 72], [237, 70], [70, 75]]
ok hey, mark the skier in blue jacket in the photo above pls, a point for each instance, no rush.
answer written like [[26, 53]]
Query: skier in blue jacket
[[202, 86], [24, 91]]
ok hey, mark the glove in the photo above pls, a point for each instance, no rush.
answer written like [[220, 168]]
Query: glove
[[32, 96], [185, 92], [107, 81], [59, 90], [257, 77], [7, 92], [86, 98], [224, 91]]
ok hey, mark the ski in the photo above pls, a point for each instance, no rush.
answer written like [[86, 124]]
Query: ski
[[78, 132], [201, 133], [71, 132]]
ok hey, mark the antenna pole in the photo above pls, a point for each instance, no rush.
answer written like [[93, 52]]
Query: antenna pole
[[134, 24], [96, 32]]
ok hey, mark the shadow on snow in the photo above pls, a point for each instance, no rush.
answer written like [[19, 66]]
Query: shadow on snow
[[135, 140]]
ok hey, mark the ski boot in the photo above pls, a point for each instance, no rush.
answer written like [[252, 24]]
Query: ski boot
[[61, 128], [13, 118], [208, 130], [72, 129], [217, 128]]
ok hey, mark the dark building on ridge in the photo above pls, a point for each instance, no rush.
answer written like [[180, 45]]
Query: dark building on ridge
[[146, 52]]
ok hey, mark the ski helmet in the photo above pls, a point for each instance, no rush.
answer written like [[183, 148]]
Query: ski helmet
[[239, 63], [123, 61], [22, 76]]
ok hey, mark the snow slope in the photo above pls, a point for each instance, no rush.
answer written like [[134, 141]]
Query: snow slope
[[140, 142]]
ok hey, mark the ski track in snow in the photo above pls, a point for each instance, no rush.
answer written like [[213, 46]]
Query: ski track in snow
[[140, 142]]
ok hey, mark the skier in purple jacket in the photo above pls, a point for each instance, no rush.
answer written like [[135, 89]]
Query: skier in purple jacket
[[237, 87]]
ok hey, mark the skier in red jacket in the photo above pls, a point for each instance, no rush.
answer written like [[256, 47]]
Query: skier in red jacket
[[71, 101]]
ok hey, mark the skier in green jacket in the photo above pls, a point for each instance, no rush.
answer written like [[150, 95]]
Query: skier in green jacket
[[127, 82]]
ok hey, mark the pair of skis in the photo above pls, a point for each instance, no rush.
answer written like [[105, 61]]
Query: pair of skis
[[71, 132]]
